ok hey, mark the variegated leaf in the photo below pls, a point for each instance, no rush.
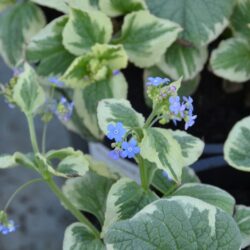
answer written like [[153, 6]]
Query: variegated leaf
[[146, 37], [183, 61], [124, 200], [240, 20], [83, 4], [113, 111], [7, 161], [27, 93], [47, 49], [159, 146], [210, 194], [78, 237], [6, 3], [115, 8], [59, 5], [191, 146], [84, 29], [17, 26], [177, 223], [202, 21], [89, 193], [96, 65], [231, 60], [237, 145], [87, 99], [242, 217]]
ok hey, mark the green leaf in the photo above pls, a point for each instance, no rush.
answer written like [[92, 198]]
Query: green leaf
[[159, 146], [191, 146], [78, 237], [85, 29], [89, 193], [96, 65], [59, 153], [87, 99], [189, 87], [180, 60], [113, 111], [202, 21], [240, 19], [210, 194], [237, 145], [115, 8], [27, 93], [146, 37], [125, 199], [59, 5], [83, 4], [17, 26], [231, 60], [242, 217], [177, 223], [166, 185], [7, 161], [47, 49]]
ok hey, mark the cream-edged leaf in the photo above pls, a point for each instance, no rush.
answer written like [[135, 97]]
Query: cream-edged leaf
[[83, 4], [59, 5]]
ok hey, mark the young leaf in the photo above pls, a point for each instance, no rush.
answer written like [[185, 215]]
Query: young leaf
[[89, 193], [240, 19], [87, 99], [96, 65], [47, 49], [113, 111], [202, 21], [60, 153], [146, 37], [125, 199], [28, 94], [176, 223], [59, 5], [78, 237], [85, 5], [183, 61], [210, 194], [85, 29], [237, 145], [231, 60], [115, 8], [242, 217], [17, 26], [191, 146], [7, 161], [159, 146]]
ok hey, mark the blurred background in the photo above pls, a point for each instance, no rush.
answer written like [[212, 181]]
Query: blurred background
[[41, 218]]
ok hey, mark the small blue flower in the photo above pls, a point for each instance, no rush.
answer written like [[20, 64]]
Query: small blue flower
[[56, 81], [130, 149], [116, 72], [9, 228], [115, 154], [188, 103], [156, 81], [116, 132], [175, 104], [190, 121], [64, 109]]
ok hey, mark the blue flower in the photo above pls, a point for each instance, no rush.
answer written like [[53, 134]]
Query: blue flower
[[64, 110], [56, 81], [175, 104], [156, 81], [9, 228], [116, 132], [130, 149], [188, 103], [116, 72], [190, 120], [114, 154]]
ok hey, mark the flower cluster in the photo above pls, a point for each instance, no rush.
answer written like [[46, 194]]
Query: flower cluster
[[122, 147], [6, 226], [170, 105], [63, 109]]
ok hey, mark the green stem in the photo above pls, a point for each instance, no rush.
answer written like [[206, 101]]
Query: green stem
[[68, 205], [20, 189], [32, 134], [150, 119], [143, 174], [44, 138]]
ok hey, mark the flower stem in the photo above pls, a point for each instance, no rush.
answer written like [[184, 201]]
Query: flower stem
[[19, 190], [143, 174], [32, 134], [44, 138], [69, 206]]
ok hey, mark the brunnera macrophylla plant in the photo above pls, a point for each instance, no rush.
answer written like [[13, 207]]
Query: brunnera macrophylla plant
[[168, 209]]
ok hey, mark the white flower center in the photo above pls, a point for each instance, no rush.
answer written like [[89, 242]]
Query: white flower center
[[130, 149], [116, 131]]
